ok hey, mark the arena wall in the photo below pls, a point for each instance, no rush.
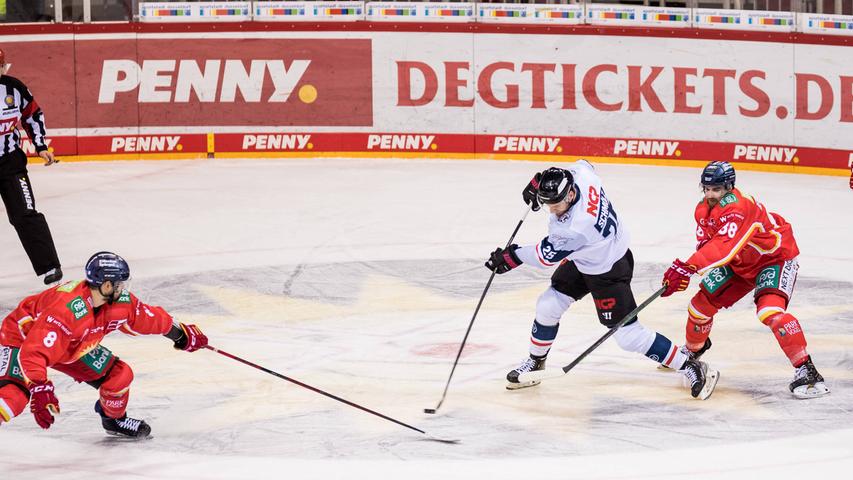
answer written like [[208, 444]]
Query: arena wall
[[765, 100]]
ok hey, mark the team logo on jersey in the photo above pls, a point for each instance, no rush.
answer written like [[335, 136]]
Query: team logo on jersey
[[78, 308], [10, 100]]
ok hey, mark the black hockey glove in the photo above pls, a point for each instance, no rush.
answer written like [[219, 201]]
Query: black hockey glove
[[503, 260], [530, 192]]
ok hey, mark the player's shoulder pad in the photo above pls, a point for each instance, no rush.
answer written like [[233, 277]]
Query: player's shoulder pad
[[14, 82], [728, 199], [68, 287]]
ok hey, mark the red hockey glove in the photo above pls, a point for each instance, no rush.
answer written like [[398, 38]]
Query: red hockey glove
[[530, 194], [677, 277], [191, 338], [503, 260], [43, 402]]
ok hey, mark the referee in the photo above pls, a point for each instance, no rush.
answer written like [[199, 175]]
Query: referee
[[19, 107]]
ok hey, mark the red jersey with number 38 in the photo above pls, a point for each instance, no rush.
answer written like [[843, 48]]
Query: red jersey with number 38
[[739, 232], [59, 325]]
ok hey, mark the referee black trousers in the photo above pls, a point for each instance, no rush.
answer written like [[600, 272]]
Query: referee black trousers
[[20, 202]]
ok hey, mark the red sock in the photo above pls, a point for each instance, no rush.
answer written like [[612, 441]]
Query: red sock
[[790, 336]]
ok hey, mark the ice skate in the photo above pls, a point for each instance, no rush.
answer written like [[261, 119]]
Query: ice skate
[[690, 355], [702, 379], [808, 383], [528, 365], [123, 427]]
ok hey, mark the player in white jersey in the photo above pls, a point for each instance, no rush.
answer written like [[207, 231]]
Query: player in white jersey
[[586, 238]]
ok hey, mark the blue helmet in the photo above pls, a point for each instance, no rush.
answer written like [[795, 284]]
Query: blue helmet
[[718, 173], [106, 266]]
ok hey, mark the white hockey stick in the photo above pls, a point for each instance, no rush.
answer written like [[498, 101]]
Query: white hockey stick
[[554, 372]]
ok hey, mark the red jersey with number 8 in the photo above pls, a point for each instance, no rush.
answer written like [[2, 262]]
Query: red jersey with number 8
[[59, 325]]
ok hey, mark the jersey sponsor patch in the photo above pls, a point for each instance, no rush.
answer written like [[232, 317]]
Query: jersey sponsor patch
[[78, 308], [767, 278], [124, 297], [98, 359], [9, 366], [727, 199], [716, 278], [68, 287]]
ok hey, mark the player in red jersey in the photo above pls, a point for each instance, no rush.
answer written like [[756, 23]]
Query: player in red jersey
[[62, 328], [741, 247]]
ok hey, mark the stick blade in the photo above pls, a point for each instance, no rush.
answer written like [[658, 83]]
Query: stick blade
[[449, 441], [431, 411], [540, 375]]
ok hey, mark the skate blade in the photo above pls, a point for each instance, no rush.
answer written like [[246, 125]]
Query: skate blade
[[711, 379], [805, 392], [519, 386], [119, 437]]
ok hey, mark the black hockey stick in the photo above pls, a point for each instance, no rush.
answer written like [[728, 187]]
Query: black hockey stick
[[471, 324], [545, 374], [327, 394]]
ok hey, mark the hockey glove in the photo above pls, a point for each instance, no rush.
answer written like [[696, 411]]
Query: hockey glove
[[190, 338], [43, 403], [503, 260], [677, 277], [532, 189]]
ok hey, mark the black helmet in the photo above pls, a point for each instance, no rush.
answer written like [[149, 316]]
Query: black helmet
[[554, 185], [718, 173]]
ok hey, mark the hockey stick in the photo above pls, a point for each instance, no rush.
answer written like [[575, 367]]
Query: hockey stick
[[471, 324], [327, 394], [554, 373]]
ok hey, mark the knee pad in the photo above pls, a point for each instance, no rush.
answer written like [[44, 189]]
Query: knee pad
[[13, 401], [115, 389], [551, 306], [769, 305]]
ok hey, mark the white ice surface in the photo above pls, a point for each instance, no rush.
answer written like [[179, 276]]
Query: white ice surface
[[360, 276]]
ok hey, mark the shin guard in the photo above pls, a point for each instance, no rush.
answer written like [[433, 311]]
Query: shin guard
[[541, 338], [700, 319], [789, 334], [115, 390]]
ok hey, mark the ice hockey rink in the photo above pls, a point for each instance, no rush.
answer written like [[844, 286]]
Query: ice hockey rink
[[360, 277]]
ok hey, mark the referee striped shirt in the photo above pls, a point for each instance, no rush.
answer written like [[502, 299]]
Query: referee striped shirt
[[19, 106]]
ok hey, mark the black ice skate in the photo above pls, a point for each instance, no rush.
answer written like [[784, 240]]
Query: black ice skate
[[52, 276], [529, 365], [690, 355], [702, 379], [808, 383], [124, 426]]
